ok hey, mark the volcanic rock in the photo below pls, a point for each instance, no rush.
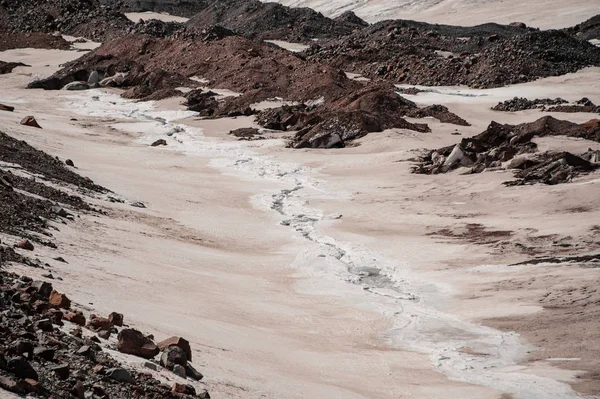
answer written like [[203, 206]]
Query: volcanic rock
[[159, 142], [30, 121], [179, 342], [171, 356], [116, 319], [8, 108]]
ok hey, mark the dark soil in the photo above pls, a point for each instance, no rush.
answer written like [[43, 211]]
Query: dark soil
[[483, 56]]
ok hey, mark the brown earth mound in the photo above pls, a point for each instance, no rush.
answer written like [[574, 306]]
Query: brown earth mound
[[483, 56], [9, 41], [501, 143]]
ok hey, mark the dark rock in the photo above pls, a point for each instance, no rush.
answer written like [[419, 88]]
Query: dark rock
[[68, 162], [12, 385], [104, 334], [159, 142], [179, 342], [76, 317], [192, 373], [99, 323], [133, 342], [61, 370], [44, 325], [6, 108], [116, 319], [30, 121], [44, 353], [120, 374], [171, 356], [20, 367], [179, 370], [184, 389]]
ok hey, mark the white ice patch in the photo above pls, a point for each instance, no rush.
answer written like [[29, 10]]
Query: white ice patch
[[388, 286]]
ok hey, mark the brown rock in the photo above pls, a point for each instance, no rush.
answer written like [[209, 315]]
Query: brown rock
[[116, 319], [30, 121], [177, 341], [76, 317], [25, 244], [99, 323], [12, 385], [8, 108], [184, 388], [31, 385], [133, 342], [68, 162], [59, 300]]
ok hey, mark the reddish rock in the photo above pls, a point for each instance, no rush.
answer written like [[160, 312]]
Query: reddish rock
[[76, 317], [184, 388], [116, 319], [59, 300], [177, 341], [30, 121], [25, 244], [133, 342]]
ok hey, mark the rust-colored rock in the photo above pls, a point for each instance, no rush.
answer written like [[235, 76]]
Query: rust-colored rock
[[177, 341], [30, 121], [59, 300], [133, 342], [8, 108], [116, 319], [76, 317]]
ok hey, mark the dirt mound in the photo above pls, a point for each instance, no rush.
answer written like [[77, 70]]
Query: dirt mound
[[501, 143], [484, 56], [257, 20], [9, 41], [86, 18], [521, 104], [587, 30]]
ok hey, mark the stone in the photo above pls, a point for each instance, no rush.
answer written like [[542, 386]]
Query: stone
[[133, 342], [159, 142], [60, 211], [94, 78], [20, 367], [171, 356], [99, 323], [44, 353], [98, 369], [11, 385], [77, 85], [85, 350], [151, 366], [204, 395], [68, 162], [21, 346], [44, 325], [59, 300], [119, 374], [77, 332], [30, 121], [43, 288], [25, 244], [179, 370], [61, 370], [32, 386], [76, 317], [183, 388], [8, 108], [177, 341], [78, 390], [191, 372], [116, 319], [104, 334]]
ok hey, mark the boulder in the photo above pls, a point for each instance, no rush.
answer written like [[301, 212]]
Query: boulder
[[171, 356], [116, 319], [68, 162], [43, 288], [59, 300], [20, 367], [177, 341], [179, 370], [119, 374], [133, 342], [77, 85], [76, 317], [30, 121]]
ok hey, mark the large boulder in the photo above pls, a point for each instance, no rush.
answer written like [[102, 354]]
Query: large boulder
[[172, 356], [177, 341], [133, 342]]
